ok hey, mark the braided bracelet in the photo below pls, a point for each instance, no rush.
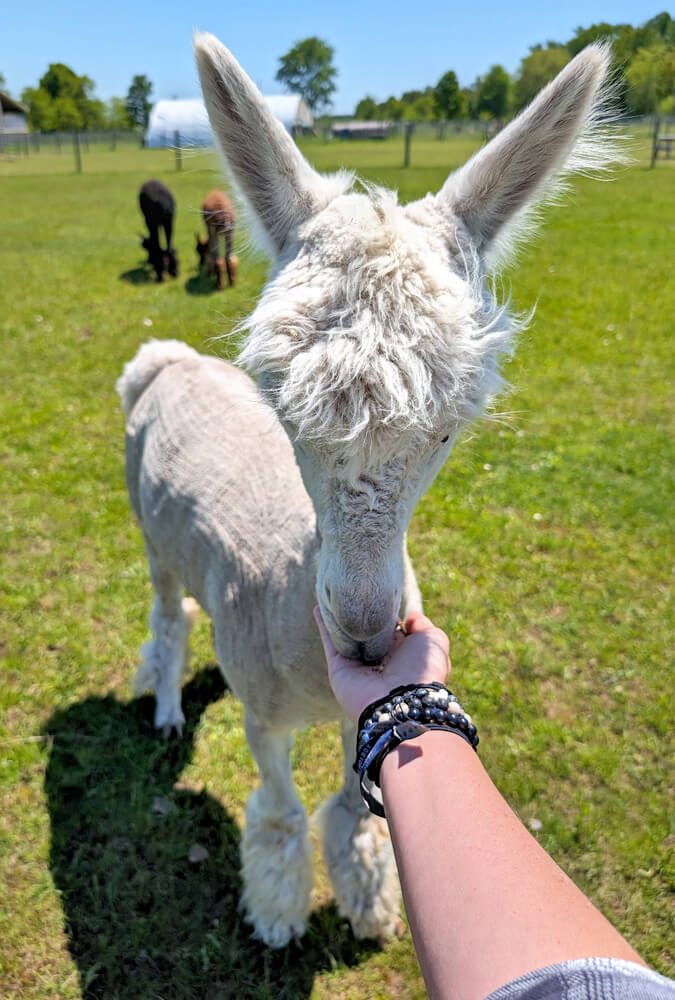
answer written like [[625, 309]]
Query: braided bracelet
[[406, 712]]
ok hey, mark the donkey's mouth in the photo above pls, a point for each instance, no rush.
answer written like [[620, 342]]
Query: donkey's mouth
[[374, 650], [369, 651]]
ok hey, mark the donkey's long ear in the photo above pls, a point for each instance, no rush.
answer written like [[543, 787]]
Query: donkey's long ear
[[273, 178], [556, 135]]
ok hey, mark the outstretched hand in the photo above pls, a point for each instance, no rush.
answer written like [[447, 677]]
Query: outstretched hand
[[419, 657]]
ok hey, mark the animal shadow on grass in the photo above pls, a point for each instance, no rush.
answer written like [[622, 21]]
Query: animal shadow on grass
[[141, 275], [142, 920], [200, 283]]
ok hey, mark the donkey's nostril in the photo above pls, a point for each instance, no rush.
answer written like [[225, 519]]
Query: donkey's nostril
[[326, 590]]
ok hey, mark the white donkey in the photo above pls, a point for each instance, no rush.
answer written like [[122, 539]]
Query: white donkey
[[375, 341]]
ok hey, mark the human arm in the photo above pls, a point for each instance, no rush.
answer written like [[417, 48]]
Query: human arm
[[484, 900]]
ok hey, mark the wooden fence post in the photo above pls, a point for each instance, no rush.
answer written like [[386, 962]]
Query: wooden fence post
[[78, 154], [409, 126], [176, 144], [655, 140]]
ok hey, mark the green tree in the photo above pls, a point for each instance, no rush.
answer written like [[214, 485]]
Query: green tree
[[116, 116], [63, 101], [625, 39], [650, 78], [390, 110], [664, 26], [308, 69], [469, 99], [642, 87], [3, 82], [138, 101], [538, 69], [492, 93], [66, 115], [596, 32], [366, 109], [39, 104], [448, 101], [417, 104], [93, 115], [61, 81], [423, 107]]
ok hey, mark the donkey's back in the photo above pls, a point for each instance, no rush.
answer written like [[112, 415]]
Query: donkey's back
[[214, 484]]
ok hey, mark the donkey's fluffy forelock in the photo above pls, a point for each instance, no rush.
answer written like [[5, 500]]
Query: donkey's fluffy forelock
[[379, 326], [371, 331]]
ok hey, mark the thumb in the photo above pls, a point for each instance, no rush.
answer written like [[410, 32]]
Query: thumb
[[328, 647]]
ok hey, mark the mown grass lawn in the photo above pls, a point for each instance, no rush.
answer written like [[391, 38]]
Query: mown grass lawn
[[544, 548]]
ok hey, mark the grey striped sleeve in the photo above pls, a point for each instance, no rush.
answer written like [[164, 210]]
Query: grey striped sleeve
[[589, 979]]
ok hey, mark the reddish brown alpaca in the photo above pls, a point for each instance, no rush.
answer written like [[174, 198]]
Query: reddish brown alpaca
[[219, 217]]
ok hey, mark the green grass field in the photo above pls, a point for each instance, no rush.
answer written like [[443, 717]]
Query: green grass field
[[543, 548]]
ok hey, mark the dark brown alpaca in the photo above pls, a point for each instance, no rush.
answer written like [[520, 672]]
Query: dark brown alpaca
[[219, 217], [159, 209]]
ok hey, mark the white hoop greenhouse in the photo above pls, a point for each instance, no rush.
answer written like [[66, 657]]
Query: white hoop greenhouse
[[186, 122]]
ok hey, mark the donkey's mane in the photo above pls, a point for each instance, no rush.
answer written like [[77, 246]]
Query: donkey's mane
[[368, 333]]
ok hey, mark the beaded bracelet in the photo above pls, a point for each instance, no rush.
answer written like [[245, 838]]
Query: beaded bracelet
[[406, 712]]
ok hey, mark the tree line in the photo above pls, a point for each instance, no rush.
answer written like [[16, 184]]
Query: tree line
[[65, 102], [645, 82], [644, 57]]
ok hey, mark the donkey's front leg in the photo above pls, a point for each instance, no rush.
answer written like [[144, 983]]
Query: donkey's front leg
[[275, 848], [359, 856]]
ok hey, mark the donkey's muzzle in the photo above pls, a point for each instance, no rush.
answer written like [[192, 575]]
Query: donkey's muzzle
[[363, 633]]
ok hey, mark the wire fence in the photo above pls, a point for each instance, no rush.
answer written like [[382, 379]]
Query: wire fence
[[24, 146], [34, 143]]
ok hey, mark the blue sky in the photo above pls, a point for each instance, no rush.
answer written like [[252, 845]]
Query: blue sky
[[381, 48]]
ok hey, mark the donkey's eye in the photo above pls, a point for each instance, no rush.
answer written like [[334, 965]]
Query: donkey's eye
[[445, 439]]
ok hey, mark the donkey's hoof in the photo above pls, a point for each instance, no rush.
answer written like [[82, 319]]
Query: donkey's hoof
[[277, 871], [168, 718], [167, 730], [361, 865], [277, 933]]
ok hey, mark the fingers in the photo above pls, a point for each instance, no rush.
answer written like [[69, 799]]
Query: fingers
[[417, 622]]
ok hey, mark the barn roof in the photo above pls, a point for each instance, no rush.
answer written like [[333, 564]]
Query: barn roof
[[8, 103], [190, 120]]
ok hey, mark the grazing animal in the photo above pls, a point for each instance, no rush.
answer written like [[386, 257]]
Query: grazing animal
[[219, 217], [376, 340], [218, 268], [159, 210]]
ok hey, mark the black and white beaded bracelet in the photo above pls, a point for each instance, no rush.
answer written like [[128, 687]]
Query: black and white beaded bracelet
[[406, 712]]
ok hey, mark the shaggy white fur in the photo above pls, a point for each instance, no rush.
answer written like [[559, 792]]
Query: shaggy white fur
[[372, 336], [150, 360], [224, 514], [377, 338]]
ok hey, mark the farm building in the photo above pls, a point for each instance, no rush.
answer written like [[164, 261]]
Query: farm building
[[189, 119], [12, 115], [361, 130]]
